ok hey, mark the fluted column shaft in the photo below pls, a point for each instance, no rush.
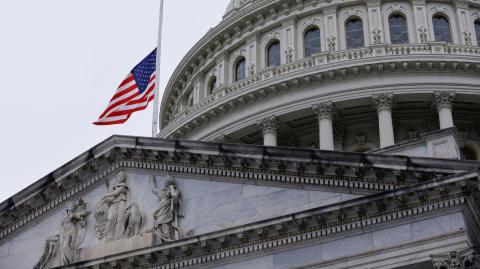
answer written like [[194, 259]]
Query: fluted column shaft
[[443, 102], [269, 127], [325, 112], [383, 104]]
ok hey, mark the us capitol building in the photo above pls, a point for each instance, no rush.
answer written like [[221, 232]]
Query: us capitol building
[[296, 134]]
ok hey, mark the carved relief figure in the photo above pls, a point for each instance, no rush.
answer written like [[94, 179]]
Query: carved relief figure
[[116, 217], [166, 224], [68, 240]]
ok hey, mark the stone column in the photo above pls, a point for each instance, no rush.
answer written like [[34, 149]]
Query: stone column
[[443, 102], [383, 104], [325, 112], [269, 127]]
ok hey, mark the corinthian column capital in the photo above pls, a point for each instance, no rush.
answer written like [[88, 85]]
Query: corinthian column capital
[[268, 125], [443, 99], [324, 110], [383, 101]]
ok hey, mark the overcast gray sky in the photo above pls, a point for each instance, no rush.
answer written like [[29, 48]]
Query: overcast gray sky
[[60, 63]]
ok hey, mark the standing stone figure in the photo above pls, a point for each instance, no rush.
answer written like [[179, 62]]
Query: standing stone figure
[[71, 235], [116, 201], [116, 216], [166, 226]]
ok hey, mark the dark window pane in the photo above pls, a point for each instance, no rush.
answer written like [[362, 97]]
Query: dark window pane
[[274, 54], [441, 28], [354, 33], [312, 42], [398, 29], [240, 69], [213, 84], [477, 31]]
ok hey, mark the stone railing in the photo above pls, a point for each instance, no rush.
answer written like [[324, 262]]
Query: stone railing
[[323, 60]]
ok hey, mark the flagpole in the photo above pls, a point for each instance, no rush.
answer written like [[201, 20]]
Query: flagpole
[[156, 99]]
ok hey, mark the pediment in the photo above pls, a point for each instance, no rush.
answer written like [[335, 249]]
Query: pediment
[[134, 210], [222, 187]]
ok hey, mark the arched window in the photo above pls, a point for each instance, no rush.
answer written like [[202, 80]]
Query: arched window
[[240, 69], [312, 41], [398, 29], [212, 85], [441, 28], [273, 53], [354, 33], [477, 30]]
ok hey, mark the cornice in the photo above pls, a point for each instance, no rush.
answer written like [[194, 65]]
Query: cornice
[[322, 68], [231, 30], [317, 224], [293, 168]]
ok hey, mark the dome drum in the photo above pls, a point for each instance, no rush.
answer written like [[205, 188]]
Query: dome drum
[[387, 47]]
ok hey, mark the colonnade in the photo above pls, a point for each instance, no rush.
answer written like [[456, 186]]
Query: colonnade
[[383, 103]]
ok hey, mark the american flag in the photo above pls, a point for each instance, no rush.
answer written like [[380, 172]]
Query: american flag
[[133, 94]]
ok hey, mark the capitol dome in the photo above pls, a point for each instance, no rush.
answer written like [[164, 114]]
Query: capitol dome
[[332, 75]]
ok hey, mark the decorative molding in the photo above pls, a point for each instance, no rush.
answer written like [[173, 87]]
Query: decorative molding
[[157, 155], [324, 110], [268, 125], [465, 259], [446, 194], [383, 101], [443, 99]]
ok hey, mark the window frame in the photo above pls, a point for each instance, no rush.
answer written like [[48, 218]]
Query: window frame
[[269, 46], [239, 60], [407, 28], [450, 30], [305, 32], [349, 19]]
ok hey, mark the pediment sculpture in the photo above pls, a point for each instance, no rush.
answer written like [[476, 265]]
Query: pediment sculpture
[[116, 216], [166, 217], [65, 245]]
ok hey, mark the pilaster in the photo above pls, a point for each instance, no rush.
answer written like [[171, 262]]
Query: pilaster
[[421, 21], [289, 41], [375, 22], [331, 29], [465, 25]]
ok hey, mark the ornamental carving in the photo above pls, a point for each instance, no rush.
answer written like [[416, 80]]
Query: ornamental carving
[[311, 22], [465, 259], [268, 125], [443, 99], [383, 101], [116, 216], [271, 36], [467, 37], [166, 227], [324, 110], [354, 12], [331, 41], [377, 38], [289, 55], [423, 34], [64, 245]]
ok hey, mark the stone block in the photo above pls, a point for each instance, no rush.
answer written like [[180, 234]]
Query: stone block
[[392, 236], [298, 257], [114, 247]]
